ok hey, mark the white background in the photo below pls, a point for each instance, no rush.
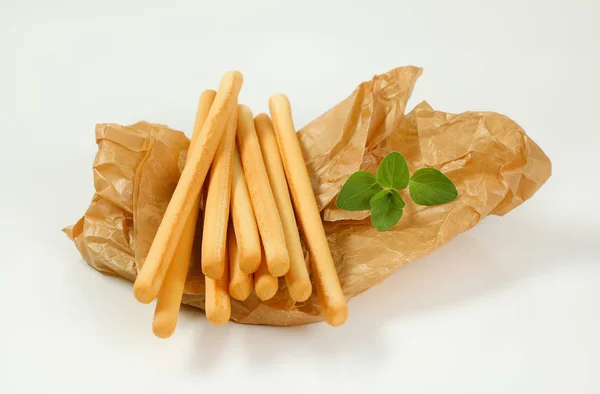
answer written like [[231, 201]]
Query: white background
[[512, 306]]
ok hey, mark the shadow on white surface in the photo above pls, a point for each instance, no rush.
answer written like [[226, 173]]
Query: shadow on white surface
[[268, 347]]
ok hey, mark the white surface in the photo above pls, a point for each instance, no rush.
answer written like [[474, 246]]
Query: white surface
[[512, 306]]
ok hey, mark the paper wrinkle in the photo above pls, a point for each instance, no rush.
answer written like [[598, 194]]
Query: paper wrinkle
[[493, 163]]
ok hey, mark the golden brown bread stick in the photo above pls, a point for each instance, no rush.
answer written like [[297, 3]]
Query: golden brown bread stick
[[171, 292], [216, 213], [243, 220], [297, 279], [201, 153], [217, 301], [265, 284], [261, 195], [327, 282], [240, 283]]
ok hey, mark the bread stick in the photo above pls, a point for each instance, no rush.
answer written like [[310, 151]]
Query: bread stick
[[243, 220], [261, 195], [327, 282], [201, 153], [240, 283], [265, 284], [171, 292], [297, 279], [217, 301], [216, 213]]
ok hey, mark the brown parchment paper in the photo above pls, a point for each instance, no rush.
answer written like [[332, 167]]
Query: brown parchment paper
[[493, 163]]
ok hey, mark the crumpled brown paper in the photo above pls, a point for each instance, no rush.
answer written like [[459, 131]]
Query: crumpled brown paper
[[493, 163]]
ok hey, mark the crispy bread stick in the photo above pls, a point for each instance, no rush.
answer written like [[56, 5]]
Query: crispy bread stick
[[297, 279], [327, 282], [216, 213], [201, 153], [171, 292], [244, 222], [240, 283], [217, 301], [265, 284], [261, 195]]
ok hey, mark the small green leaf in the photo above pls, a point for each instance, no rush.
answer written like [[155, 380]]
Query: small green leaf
[[393, 171], [358, 191], [386, 209], [387, 194], [429, 186]]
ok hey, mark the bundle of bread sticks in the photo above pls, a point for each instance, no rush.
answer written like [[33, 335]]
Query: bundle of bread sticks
[[249, 174]]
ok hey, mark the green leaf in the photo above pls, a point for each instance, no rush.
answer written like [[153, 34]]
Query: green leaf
[[358, 191], [393, 171], [429, 186], [388, 195], [386, 209]]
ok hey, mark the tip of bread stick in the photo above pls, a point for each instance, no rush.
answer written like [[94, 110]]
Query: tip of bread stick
[[206, 97], [336, 316], [212, 269], [279, 265], [263, 118], [218, 317], [163, 326], [265, 289], [144, 292], [250, 260], [234, 75], [278, 99], [239, 292], [245, 111], [300, 291], [208, 93]]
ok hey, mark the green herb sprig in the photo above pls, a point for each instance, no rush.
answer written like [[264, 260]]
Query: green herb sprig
[[363, 190]]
